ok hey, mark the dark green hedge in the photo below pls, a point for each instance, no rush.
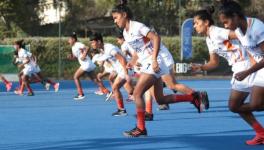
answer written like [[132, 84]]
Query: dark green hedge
[[47, 52]]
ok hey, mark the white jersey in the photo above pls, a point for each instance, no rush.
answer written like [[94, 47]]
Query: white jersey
[[125, 49], [217, 42], [23, 55], [36, 68], [252, 38], [167, 57], [137, 41], [250, 42], [95, 58], [110, 52], [77, 51], [99, 59], [32, 59]]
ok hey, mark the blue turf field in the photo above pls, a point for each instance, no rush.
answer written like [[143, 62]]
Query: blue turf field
[[51, 120]]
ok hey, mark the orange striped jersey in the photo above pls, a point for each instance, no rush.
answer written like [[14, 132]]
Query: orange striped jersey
[[137, 41], [218, 42], [251, 39]]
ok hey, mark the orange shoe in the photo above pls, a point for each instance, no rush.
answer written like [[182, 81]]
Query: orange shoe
[[98, 92], [56, 87], [257, 140], [8, 86], [105, 90], [18, 92]]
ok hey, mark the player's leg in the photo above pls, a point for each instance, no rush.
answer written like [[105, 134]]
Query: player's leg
[[129, 89], [48, 82], [99, 83], [198, 99], [111, 79], [118, 83], [79, 72], [148, 100], [145, 81], [6, 82], [170, 81]]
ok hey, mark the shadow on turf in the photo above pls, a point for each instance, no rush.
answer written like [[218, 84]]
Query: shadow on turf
[[190, 142]]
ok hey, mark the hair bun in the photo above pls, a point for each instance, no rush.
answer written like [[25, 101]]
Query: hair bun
[[21, 42], [74, 34], [123, 8]]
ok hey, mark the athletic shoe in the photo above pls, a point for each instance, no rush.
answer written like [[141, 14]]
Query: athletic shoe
[[79, 97], [108, 96], [197, 101], [164, 107], [105, 91], [148, 117], [130, 98], [56, 87], [30, 94], [200, 101], [47, 86], [205, 99], [257, 140], [99, 92], [18, 92], [136, 132], [120, 112], [8, 86]]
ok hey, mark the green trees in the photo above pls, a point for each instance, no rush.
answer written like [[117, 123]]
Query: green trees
[[19, 18]]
